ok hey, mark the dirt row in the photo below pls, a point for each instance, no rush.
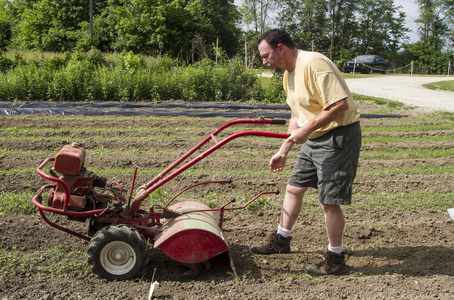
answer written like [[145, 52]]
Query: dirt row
[[391, 254]]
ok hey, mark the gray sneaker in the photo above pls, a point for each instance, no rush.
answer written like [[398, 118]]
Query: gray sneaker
[[332, 264], [276, 244]]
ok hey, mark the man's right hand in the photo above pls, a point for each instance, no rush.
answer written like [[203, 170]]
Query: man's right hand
[[277, 162]]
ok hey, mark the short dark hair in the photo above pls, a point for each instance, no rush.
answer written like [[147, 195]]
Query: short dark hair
[[275, 37]]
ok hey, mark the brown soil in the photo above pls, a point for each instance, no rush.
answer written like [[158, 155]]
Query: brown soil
[[391, 254]]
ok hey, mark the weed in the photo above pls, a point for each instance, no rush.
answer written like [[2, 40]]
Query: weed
[[210, 199], [16, 203], [159, 196], [231, 275], [34, 263]]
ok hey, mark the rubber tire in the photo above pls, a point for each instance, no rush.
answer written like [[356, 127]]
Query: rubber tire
[[118, 240], [369, 71]]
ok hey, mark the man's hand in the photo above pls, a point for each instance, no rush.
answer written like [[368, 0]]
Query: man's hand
[[277, 162]]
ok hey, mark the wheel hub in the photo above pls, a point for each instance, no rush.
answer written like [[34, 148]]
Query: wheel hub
[[118, 257]]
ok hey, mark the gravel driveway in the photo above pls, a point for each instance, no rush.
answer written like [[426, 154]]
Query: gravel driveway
[[406, 89]]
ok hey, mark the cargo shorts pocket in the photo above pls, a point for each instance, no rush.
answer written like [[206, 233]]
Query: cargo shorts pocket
[[336, 188]]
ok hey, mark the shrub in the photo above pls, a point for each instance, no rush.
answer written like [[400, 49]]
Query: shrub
[[82, 76], [5, 64]]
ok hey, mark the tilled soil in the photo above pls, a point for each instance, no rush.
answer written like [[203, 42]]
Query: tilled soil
[[391, 254]]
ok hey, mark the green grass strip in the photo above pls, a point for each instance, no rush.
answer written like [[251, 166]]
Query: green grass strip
[[429, 170], [18, 171], [33, 264], [400, 128], [396, 153], [416, 200], [16, 203], [447, 85], [388, 139]]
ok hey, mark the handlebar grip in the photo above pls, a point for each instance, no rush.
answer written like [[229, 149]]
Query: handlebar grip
[[278, 122]]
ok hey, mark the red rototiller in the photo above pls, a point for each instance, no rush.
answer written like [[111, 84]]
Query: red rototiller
[[118, 229]]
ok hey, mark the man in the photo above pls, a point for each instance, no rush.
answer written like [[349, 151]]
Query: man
[[325, 119]]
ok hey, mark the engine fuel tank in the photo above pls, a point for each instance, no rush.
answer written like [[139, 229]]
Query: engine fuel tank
[[70, 160]]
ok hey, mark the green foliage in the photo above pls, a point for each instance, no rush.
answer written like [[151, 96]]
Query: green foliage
[[274, 91], [80, 76], [119, 25], [5, 28], [5, 63], [27, 82], [428, 60], [31, 264], [16, 203], [332, 26], [73, 83], [435, 21]]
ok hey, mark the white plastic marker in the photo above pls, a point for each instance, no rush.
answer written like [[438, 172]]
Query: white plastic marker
[[153, 286], [451, 212]]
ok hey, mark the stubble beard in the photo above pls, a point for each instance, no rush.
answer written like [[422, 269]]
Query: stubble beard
[[275, 69]]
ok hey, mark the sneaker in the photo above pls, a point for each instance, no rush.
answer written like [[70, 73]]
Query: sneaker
[[276, 244], [332, 264]]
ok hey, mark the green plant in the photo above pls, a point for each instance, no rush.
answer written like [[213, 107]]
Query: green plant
[[32, 264], [16, 203]]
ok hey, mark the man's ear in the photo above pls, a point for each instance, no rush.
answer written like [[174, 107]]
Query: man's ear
[[280, 47]]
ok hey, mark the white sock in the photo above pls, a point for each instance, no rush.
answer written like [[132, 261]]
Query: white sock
[[337, 250], [284, 232]]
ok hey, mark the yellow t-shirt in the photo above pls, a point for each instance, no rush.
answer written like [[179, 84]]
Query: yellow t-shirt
[[315, 84]]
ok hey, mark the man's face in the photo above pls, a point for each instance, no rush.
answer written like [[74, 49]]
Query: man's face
[[271, 58]]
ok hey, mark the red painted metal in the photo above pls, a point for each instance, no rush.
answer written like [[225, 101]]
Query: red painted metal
[[192, 237], [37, 201], [69, 160]]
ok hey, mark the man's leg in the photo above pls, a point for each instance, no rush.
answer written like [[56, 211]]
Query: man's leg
[[334, 222], [334, 262], [292, 206], [278, 243]]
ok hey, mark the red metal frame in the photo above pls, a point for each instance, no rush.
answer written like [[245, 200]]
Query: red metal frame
[[160, 180]]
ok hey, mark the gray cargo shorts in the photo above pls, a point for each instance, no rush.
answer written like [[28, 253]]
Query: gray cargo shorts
[[329, 164]]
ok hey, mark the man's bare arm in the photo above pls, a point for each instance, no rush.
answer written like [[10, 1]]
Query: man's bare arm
[[326, 116]]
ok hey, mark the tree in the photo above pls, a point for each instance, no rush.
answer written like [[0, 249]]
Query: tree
[[124, 25], [256, 13], [341, 28], [5, 26], [306, 21], [381, 27], [51, 25], [224, 16], [433, 28], [342, 21], [427, 59]]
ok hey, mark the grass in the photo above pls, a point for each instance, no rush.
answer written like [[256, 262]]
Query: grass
[[16, 203], [387, 105], [34, 264], [416, 200], [447, 85], [426, 170]]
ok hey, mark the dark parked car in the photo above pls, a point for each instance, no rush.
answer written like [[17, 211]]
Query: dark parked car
[[367, 64]]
